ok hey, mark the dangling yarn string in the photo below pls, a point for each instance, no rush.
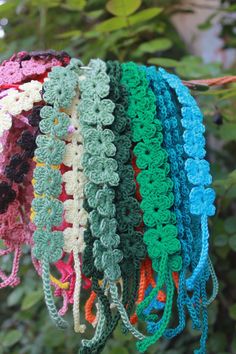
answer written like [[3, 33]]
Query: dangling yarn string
[[60, 284], [89, 316], [48, 294], [12, 279], [145, 343], [203, 256], [76, 307]]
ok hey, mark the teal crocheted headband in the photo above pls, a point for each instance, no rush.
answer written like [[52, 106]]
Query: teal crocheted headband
[[120, 200]]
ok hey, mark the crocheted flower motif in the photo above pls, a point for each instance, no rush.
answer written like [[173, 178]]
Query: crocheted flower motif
[[64, 74], [32, 90], [48, 212], [128, 214], [16, 169], [162, 240], [155, 209], [96, 111], [147, 152], [60, 88], [27, 142], [49, 150], [73, 212], [95, 85], [74, 183], [34, 117], [104, 202], [73, 154], [15, 102], [154, 181], [100, 198], [75, 65], [192, 116], [90, 191], [127, 184], [32, 67], [198, 172], [47, 181], [201, 201], [142, 130], [7, 196], [54, 122], [133, 250], [97, 251], [73, 239], [109, 237], [48, 244], [95, 223], [123, 145], [10, 73], [102, 170], [110, 260], [194, 143], [119, 125], [5, 122], [98, 142]]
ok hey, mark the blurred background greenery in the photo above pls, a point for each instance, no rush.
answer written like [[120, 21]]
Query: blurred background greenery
[[149, 32]]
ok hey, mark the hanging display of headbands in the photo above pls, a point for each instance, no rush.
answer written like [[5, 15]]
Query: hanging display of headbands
[[103, 173]]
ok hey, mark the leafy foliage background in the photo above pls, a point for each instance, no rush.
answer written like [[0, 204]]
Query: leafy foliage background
[[140, 31]]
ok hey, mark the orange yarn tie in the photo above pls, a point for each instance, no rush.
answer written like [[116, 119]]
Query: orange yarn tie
[[175, 277], [89, 316]]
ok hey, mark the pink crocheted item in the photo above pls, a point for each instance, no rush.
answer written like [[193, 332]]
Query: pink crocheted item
[[10, 73], [17, 70], [15, 226]]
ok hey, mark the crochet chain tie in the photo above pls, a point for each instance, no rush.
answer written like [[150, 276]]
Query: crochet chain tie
[[203, 256], [48, 294], [12, 279]]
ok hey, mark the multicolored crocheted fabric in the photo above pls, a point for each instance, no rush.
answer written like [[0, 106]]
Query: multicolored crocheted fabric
[[103, 174], [20, 102]]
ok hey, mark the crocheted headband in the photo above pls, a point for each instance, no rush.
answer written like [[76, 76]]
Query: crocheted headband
[[115, 155]]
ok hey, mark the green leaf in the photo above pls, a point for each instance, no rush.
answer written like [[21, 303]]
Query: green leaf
[[232, 242], [231, 8], [193, 68], [15, 296], [112, 24], [123, 7], [227, 132], [145, 15], [74, 4], [31, 299], [232, 311], [165, 62], [45, 3], [11, 338], [230, 225], [69, 34], [155, 45], [220, 240], [8, 8], [223, 252]]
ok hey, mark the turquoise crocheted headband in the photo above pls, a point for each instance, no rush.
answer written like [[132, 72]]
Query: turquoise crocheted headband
[[120, 199]]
